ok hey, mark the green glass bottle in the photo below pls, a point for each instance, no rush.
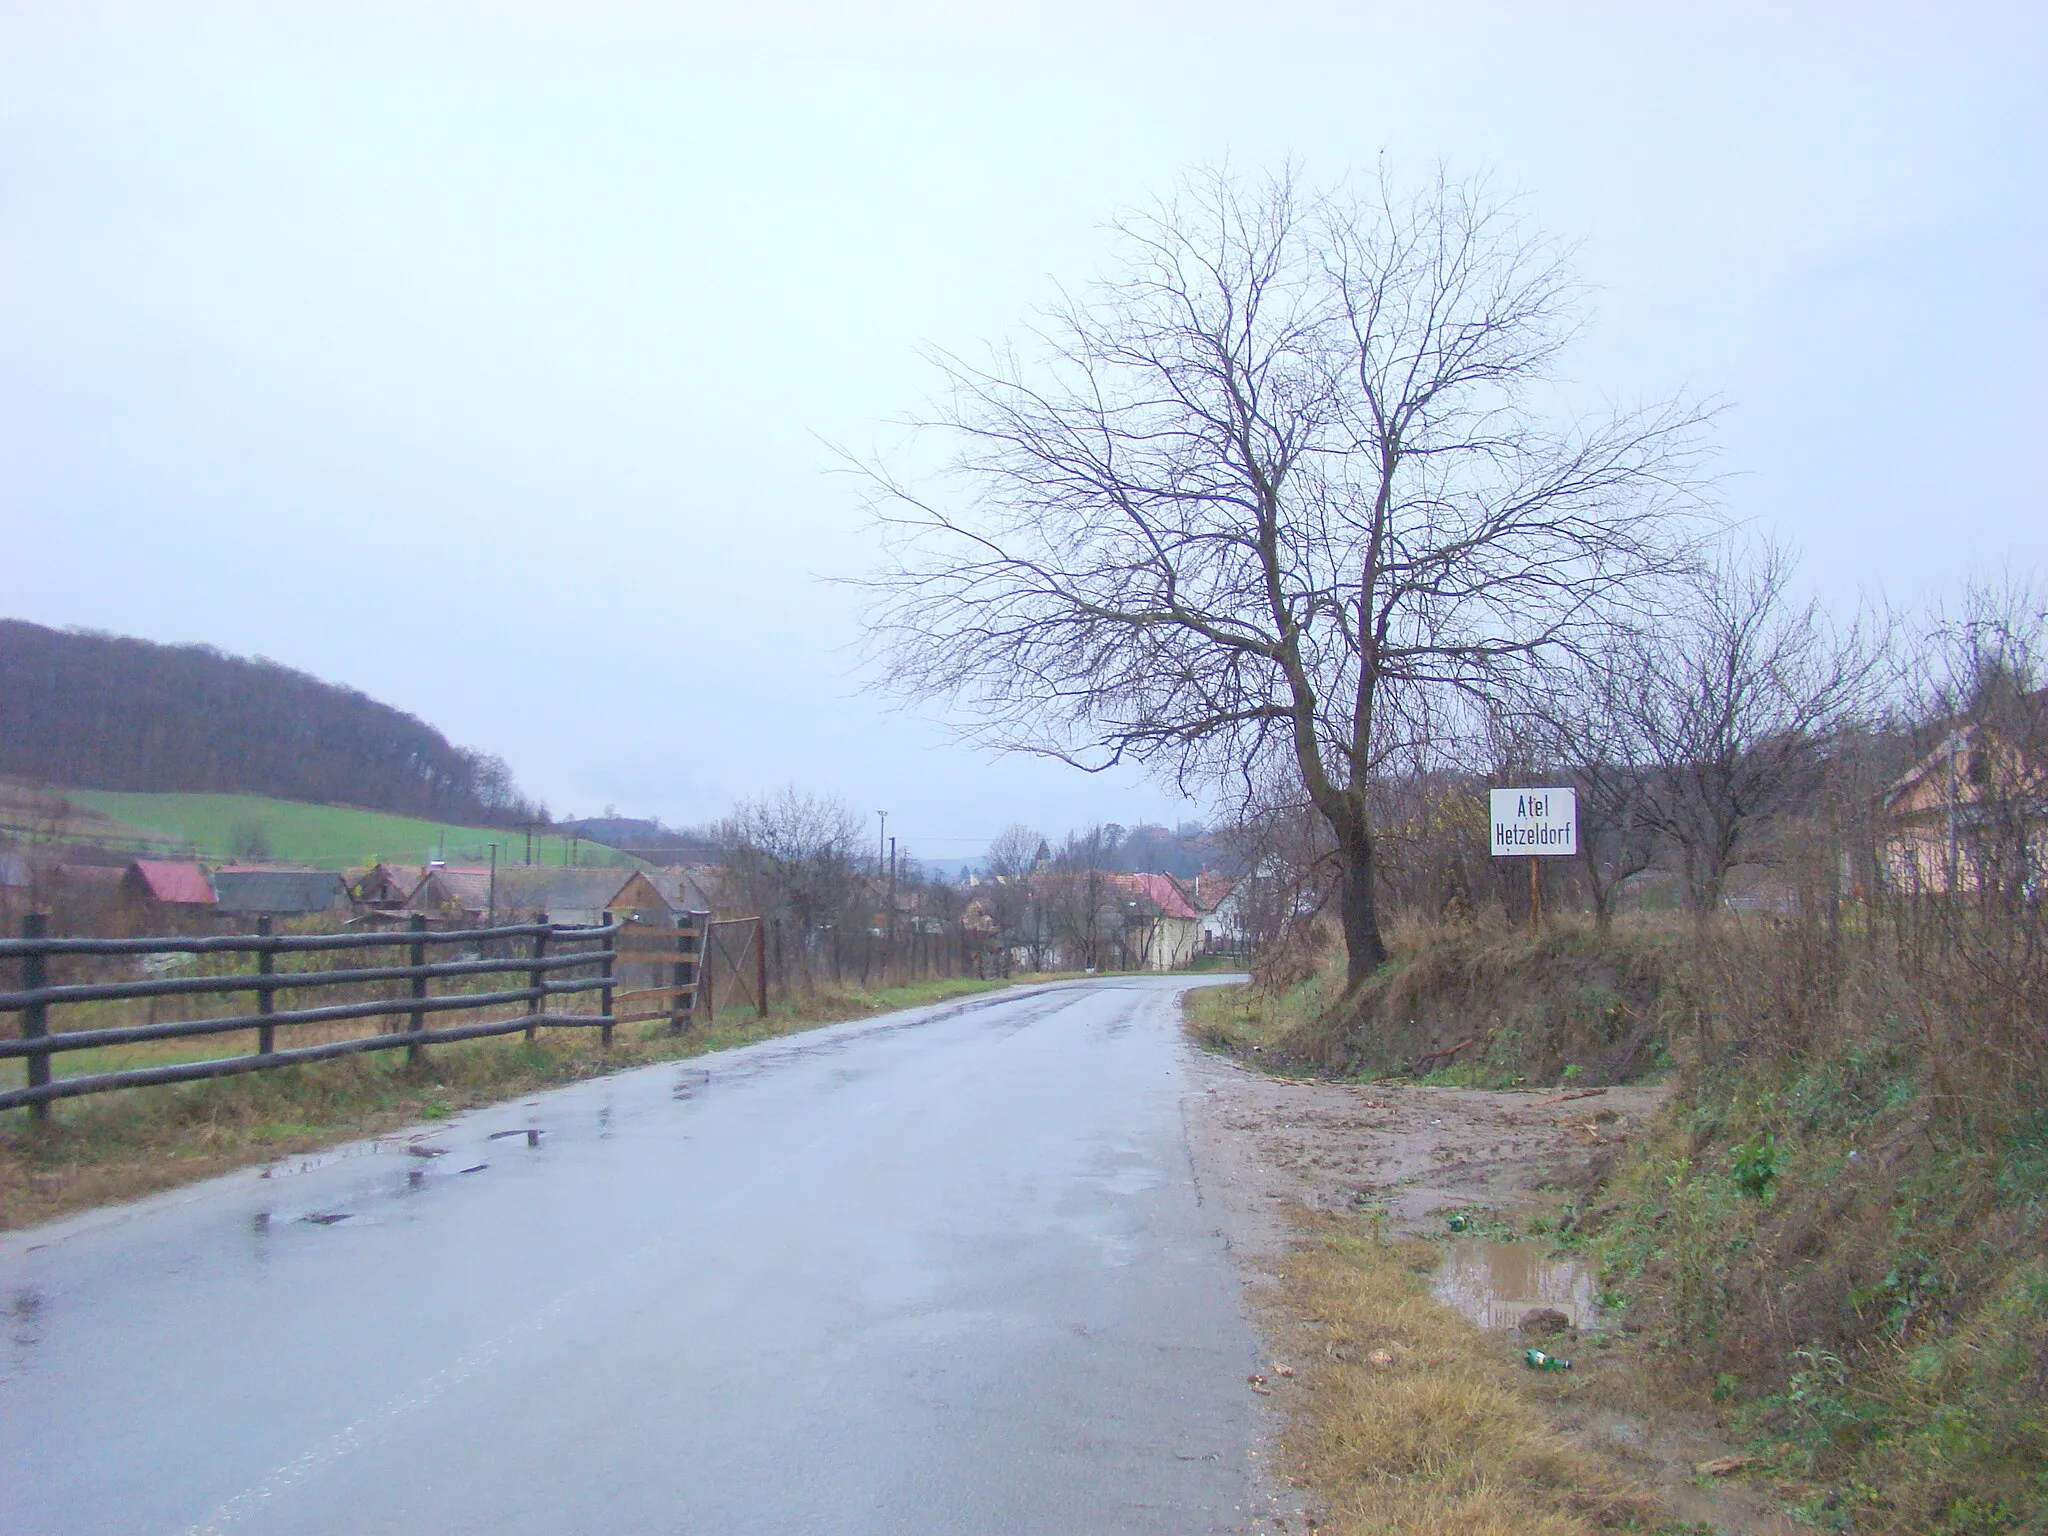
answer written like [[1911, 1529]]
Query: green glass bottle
[[1536, 1360]]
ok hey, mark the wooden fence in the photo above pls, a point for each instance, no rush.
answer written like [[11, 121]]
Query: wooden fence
[[550, 955], [682, 962]]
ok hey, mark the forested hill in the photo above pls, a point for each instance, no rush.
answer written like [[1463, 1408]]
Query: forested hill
[[96, 711]]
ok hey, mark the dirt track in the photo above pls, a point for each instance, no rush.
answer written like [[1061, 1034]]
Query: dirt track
[[1266, 1144]]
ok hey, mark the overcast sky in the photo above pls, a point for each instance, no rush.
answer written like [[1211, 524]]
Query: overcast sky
[[479, 356]]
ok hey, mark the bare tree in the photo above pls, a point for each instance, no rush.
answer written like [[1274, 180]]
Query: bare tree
[[1014, 852], [1733, 709], [1012, 856], [1079, 901], [1288, 876], [1583, 718], [794, 858], [1278, 493]]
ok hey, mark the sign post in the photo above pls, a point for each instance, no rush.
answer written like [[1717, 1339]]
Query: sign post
[[1536, 824]]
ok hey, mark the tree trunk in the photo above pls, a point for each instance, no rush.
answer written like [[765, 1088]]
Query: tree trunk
[[1704, 880], [1603, 895], [1364, 950]]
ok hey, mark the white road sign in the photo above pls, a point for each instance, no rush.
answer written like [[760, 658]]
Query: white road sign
[[1535, 822]]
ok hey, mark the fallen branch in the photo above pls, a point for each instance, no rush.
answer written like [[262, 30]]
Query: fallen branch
[[1576, 1093], [1428, 1061]]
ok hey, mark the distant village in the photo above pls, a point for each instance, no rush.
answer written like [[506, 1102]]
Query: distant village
[[1046, 918]]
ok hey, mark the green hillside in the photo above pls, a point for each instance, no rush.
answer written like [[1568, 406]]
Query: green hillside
[[325, 836]]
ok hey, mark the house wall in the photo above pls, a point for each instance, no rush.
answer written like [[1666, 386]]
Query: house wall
[[1968, 812], [638, 898], [1172, 943]]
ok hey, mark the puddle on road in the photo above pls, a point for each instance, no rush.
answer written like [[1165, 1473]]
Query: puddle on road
[[1494, 1283]]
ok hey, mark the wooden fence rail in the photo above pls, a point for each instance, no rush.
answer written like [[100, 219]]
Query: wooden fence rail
[[541, 968]]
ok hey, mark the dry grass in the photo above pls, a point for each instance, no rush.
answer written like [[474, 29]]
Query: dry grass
[[1445, 1437], [1470, 1004], [1833, 1240], [121, 1146]]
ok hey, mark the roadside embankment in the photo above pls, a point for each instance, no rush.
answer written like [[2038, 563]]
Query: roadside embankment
[[1478, 1006], [135, 1142], [1844, 1240], [1828, 1246]]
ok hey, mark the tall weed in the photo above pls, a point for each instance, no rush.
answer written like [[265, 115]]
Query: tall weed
[[1841, 1221]]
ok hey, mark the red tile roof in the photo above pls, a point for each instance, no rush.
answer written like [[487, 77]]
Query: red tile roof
[[177, 882], [1205, 893], [1160, 891]]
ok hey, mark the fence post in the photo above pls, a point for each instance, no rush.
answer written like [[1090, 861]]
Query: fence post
[[676, 977], [604, 972], [761, 964], [266, 964], [537, 977], [706, 969], [416, 1020], [35, 1019]]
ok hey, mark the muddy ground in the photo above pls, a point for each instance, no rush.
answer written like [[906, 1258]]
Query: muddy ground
[[1269, 1150]]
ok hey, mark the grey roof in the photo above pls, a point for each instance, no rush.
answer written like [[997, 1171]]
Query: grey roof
[[680, 888], [279, 892], [403, 879], [463, 889], [526, 889]]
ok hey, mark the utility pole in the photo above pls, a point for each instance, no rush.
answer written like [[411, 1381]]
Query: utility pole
[[882, 841], [491, 897], [1955, 856], [892, 898]]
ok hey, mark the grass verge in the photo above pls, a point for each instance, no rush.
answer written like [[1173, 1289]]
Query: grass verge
[[1414, 1421], [1469, 1006], [136, 1142], [1252, 1022]]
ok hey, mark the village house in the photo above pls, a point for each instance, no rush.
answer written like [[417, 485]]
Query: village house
[[253, 890], [455, 894], [166, 894], [1215, 900], [683, 889], [581, 897], [385, 886], [1162, 929], [1972, 814], [584, 896]]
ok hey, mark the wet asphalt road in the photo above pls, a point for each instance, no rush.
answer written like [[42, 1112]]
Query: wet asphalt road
[[945, 1271]]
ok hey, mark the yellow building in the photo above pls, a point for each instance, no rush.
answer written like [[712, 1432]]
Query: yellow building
[[1971, 815]]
